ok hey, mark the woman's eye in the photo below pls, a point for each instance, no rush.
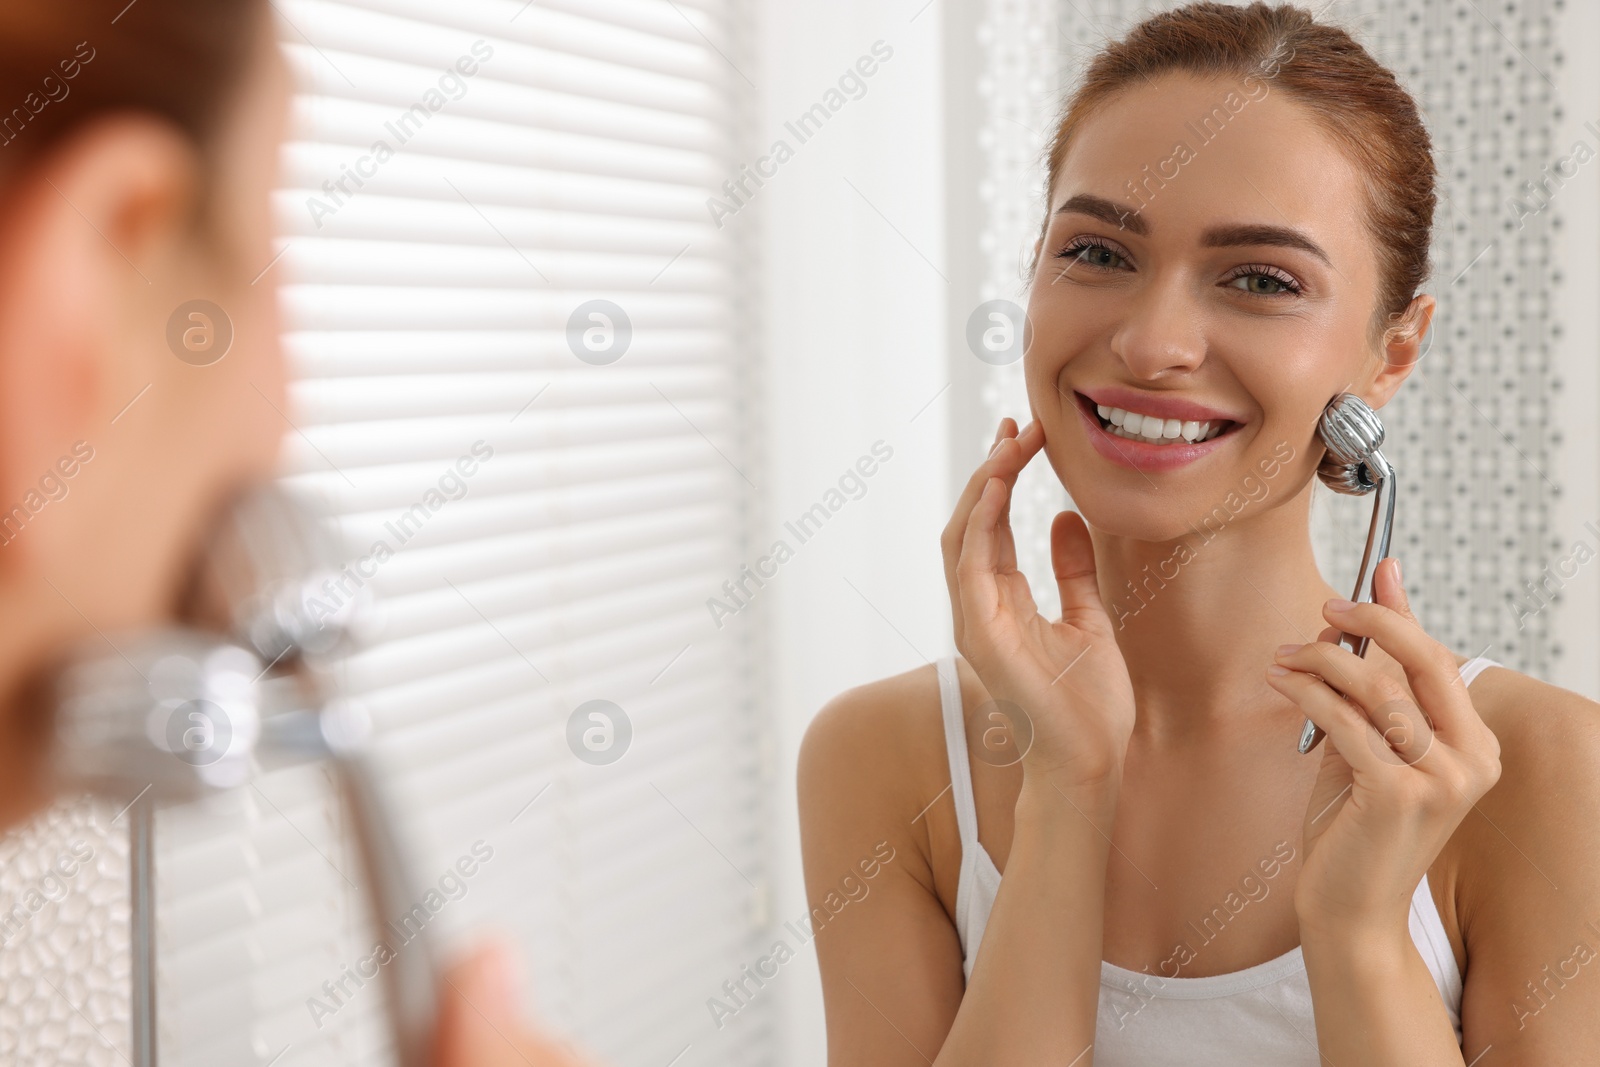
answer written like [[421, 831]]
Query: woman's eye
[[1263, 284], [1092, 254]]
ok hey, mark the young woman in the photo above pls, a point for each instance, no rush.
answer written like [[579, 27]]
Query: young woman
[[135, 173], [1146, 871]]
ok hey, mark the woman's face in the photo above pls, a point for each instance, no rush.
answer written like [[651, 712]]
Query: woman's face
[[176, 422], [1221, 289]]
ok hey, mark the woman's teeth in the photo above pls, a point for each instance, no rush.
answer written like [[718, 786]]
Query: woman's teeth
[[1148, 428]]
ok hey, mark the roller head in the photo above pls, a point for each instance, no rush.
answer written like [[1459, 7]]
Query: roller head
[[182, 711], [1352, 433], [170, 712]]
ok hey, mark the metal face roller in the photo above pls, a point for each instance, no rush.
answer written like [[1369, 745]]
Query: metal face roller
[[1353, 465]]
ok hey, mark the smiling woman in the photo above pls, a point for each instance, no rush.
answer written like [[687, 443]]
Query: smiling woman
[[1180, 344]]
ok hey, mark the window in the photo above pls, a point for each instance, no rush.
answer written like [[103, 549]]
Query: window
[[499, 260]]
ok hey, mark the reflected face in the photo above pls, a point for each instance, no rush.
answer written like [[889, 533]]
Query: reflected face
[[166, 428], [203, 429], [1211, 296], [244, 391]]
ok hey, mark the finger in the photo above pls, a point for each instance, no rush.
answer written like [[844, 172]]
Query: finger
[[977, 588], [1389, 587], [1347, 727], [1029, 441], [1344, 671], [1329, 794], [1014, 450], [480, 1022], [1021, 447], [478, 1009], [1007, 428], [1004, 461], [1429, 666], [486, 978], [1379, 696], [950, 537], [1391, 592], [1004, 537], [1072, 553]]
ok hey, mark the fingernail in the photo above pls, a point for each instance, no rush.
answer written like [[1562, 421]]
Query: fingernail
[[1284, 650], [1340, 605], [996, 447], [1277, 670], [1397, 575]]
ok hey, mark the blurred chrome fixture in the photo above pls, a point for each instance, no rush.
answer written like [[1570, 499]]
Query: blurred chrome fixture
[[172, 715], [1353, 465]]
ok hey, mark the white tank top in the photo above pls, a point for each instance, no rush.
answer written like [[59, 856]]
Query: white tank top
[[1258, 1017]]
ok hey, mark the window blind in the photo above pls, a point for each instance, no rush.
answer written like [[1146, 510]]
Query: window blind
[[465, 182]]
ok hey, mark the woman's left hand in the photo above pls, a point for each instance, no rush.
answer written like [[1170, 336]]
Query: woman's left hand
[[1396, 780]]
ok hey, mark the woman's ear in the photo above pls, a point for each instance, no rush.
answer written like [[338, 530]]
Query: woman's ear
[[93, 230], [1401, 349]]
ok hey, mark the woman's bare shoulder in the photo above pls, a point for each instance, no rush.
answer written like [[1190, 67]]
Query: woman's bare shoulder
[[1535, 720], [1539, 825], [879, 744]]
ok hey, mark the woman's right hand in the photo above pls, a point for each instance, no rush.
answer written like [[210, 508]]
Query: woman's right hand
[[1067, 677]]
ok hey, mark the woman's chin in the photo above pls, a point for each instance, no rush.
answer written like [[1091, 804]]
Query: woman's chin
[[1136, 520]]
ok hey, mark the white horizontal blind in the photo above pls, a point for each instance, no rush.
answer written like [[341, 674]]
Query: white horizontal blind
[[550, 527]]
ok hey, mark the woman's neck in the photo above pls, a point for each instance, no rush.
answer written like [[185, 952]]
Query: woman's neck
[[1198, 620], [36, 623]]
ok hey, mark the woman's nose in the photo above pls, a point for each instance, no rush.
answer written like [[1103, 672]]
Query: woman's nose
[[1161, 335]]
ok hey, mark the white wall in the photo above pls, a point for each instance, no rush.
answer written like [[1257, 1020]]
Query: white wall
[[854, 343]]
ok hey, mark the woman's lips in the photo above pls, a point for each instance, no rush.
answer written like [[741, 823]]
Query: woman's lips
[[1141, 455]]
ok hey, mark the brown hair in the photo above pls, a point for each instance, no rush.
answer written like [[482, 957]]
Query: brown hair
[[1356, 99], [63, 62]]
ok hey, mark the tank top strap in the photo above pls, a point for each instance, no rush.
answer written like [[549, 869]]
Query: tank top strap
[[1474, 667], [955, 746], [1428, 934]]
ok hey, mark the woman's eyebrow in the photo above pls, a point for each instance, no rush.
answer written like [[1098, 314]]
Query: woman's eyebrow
[[1124, 217], [1108, 211], [1254, 234]]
